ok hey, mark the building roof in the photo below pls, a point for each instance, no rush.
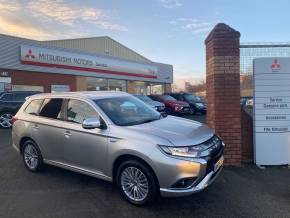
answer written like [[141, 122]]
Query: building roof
[[102, 45]]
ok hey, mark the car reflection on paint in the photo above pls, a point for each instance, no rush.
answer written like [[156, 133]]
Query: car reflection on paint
[[160, 107]]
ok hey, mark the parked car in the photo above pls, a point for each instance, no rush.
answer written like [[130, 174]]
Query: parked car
[[197, 104], [160, 107], [172, 106], [250, 103], [144, 153], [10, 102], [244, 99]]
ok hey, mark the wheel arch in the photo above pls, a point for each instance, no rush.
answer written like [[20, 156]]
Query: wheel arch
[[120, 159], [23, 140]]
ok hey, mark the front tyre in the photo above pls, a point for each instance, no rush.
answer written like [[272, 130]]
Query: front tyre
[[136, 183], [32, 157]]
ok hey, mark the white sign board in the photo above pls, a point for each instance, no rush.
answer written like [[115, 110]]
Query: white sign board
[[272, 111], [45, 57], [60, 88]]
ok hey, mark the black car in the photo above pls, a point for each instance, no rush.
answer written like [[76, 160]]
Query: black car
[[10, 102], [244, 100], [197, 104]]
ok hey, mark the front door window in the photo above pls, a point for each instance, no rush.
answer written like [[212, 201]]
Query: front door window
[[78, 111]]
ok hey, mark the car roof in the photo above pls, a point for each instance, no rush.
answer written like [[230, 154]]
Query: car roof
[[84, 94]]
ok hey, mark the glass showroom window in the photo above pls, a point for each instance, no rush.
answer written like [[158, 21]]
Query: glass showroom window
[[27, 88], [117, 85], [140, 87], [97, 84], [157, 89]]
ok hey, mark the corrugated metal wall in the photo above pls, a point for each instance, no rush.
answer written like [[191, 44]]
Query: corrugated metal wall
[[101, 45]]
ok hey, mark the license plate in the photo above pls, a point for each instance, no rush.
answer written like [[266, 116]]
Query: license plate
[[186, 109], [218, 164]]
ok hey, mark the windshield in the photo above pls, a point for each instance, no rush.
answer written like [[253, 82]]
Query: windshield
[[168, 98], [143, 98], [189, 97], [127, 110]]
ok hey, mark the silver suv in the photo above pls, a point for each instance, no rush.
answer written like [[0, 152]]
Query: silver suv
[[117, 137]]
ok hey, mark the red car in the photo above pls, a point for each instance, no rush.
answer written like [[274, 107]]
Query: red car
[[171, 104]]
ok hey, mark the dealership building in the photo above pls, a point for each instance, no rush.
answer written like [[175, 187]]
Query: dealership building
[[98, 63], [250, 51]]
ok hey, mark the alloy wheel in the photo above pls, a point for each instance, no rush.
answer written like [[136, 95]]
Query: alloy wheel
[[134, 184], [6, 120], [31, 156]]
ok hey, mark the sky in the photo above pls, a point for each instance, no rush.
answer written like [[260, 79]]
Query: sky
[[167, 31]]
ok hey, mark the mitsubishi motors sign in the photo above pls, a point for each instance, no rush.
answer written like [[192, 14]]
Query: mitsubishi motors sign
[[45, 57], [272, 111]]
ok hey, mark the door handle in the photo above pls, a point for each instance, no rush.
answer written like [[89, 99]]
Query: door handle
[[67, 134], [113, 140], [35, 126]]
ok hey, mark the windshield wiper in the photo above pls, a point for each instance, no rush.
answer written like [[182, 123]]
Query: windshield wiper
[[138, 122]]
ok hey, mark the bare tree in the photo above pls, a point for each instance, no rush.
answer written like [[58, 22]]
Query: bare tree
[[193, 88]]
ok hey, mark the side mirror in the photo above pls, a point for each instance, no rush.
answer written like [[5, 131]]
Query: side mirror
[[92, 123]]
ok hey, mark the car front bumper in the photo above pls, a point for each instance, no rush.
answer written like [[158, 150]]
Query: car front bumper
[[205, 182], [183, 110], [198, 173]]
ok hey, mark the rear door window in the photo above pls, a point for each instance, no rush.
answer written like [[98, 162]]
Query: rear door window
[[33, 107], [78, 111], [51, 108]]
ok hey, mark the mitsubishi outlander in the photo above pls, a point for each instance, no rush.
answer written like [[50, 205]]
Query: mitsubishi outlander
[[116, 137]]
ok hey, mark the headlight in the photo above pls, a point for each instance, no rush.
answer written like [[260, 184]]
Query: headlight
[[199, 104], [178, 107], [189, 151], [201, 150]]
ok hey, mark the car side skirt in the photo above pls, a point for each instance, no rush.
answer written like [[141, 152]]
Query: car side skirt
[[98, 175]]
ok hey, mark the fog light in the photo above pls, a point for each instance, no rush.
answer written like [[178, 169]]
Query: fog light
[[184, 183]]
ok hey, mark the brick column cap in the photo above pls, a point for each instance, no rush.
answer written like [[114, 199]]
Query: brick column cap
[[222, 30]]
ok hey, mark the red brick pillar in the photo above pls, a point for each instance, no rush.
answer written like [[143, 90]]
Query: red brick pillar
[[223, 88]]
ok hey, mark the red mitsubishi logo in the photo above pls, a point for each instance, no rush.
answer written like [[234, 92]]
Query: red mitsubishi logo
[[275, 65], [29, 54]]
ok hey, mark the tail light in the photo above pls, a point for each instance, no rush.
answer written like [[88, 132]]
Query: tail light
[[14, 119]]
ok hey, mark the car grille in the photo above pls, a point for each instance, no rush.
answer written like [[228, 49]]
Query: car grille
[[215, 153], [216, 148], [160, 108]]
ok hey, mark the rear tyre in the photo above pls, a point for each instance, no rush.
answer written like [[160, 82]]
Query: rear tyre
[[32, 157], [136, 183]]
